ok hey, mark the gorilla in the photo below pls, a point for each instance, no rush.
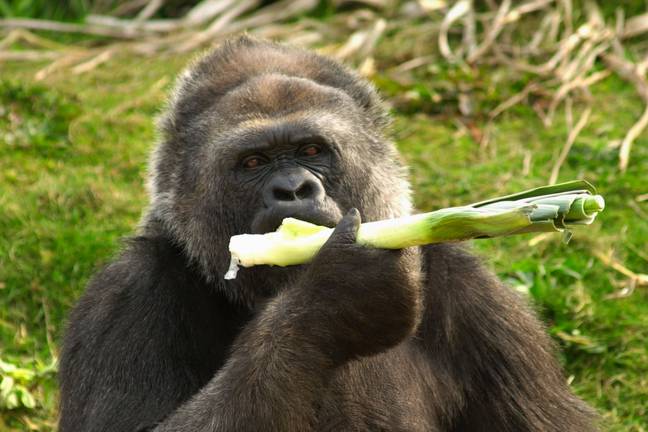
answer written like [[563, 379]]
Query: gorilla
[[360, 339]]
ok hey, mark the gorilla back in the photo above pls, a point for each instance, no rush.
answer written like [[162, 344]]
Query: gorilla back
[[360, 339]]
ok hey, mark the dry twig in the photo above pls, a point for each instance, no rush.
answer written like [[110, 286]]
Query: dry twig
[[55, 26], [93, 62], [573, 134], [607, 259], [626, 70]]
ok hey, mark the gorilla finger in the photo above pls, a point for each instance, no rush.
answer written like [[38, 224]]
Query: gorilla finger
[[346, 230]]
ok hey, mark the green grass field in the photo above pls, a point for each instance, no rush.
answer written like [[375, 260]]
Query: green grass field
[[73, 153]]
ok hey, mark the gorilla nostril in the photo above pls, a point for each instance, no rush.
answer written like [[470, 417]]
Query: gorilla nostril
[[283, 194], [305, 191], [293, 188]]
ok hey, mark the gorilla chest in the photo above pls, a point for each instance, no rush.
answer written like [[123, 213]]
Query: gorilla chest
[[374, 395]]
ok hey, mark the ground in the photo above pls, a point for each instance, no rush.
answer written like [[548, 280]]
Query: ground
[[73, 157]]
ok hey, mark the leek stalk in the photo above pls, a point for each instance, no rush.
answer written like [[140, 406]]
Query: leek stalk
[[546, 209]]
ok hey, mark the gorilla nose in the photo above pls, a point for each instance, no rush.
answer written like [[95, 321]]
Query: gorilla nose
[[292, 187]]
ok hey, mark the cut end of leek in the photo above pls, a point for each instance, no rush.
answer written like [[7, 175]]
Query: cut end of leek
[[233, 269], [594, 204]]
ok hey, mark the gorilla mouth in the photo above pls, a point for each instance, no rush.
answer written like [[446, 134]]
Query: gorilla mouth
[[269, 219]]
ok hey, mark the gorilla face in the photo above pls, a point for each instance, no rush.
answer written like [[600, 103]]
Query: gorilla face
[[285, 151], [291, 179], [294, 148], [296, 138]]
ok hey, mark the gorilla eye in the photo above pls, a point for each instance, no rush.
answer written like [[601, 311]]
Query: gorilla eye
[[310, 150], [253, 161]]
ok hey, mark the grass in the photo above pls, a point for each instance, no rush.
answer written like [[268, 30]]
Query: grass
[[73, 159], [71, 10]]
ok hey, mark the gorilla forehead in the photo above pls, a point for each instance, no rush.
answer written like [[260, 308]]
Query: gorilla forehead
[[264, 78], [275, 94], [279, 109], [274, 109]]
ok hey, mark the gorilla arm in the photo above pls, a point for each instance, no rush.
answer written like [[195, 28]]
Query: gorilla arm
[[146, 349], [146, 338], [480, 336], [282, 362], [269, 382], [140, 338], [486, 362]]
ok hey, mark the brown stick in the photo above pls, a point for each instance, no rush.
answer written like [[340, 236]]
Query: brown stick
[[36, 24], [61, 62], [513, 100], [217, 26], [498, 24], [93, 62], [128, 7], [148, 11], [28, 55], [573, 134], [18, 35], [457, 11], [633, 133], [628, 72], [635, 26], [199, 15]]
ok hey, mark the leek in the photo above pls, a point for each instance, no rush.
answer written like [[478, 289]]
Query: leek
[[546, 209]]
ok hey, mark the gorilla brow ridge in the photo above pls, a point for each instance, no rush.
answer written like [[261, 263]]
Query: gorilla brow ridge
[[238, 61]]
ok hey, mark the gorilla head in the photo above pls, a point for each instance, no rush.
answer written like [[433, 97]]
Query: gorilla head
[[257, 132]]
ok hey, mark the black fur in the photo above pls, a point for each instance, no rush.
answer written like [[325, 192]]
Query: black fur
[[359, 340]]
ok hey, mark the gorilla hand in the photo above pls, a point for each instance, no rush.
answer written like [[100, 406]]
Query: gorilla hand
[[362, 300]]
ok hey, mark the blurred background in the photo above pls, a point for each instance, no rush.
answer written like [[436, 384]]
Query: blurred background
[[488, 98]]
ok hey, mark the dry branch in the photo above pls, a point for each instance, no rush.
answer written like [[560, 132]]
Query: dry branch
[[31, 55], [93, 62], [460, 9], [128, 7], [21, 35], [492, 33], [279, 11], [571, 138], [149, 10], [635, 26], [629, 72], [362, 42], [217, 26], [607, 259], [513, 100], [199, 15], [35, 24], [61, 63]]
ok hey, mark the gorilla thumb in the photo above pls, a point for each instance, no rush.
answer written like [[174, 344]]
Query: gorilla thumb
[[346, 230]]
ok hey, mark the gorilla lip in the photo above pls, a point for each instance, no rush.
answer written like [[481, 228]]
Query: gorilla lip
[[269, 219]]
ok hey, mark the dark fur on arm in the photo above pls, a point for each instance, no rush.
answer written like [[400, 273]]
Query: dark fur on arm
[[270, 381], [483, 335], [148, 337], [130, 354], [283, 360]]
